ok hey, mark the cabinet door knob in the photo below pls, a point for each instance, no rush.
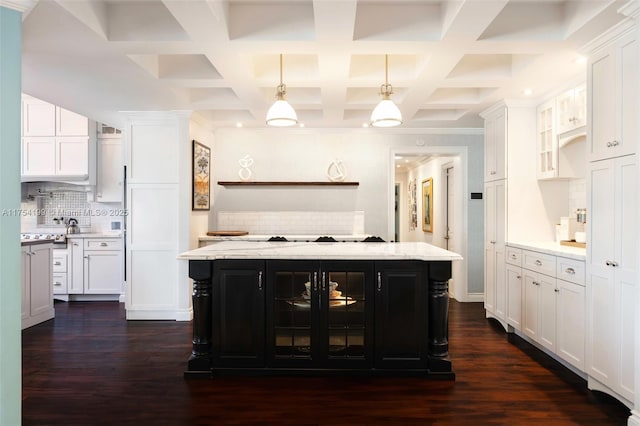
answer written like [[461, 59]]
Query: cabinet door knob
[[519, 277], [539, 263], [513, 256], [570, 271], [614, 264], [556, 290]]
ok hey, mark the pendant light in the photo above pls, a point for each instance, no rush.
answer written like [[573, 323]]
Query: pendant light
[[386, 113], [281, 114]]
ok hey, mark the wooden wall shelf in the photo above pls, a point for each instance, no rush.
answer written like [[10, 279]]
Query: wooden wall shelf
[[280, 183]]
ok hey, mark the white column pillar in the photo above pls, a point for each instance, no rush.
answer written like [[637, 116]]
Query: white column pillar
[[10, 292], [157, 156]]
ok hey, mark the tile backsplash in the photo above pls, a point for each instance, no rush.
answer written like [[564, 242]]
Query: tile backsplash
[[577, 195], [64, 205], [44, 202], [292, 223]]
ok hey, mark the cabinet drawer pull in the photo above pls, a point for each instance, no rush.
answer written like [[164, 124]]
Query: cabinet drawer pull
[[538, 263], [535, 283], [260, 280], [103, 244], [57, 284], [58, 263], [379, 281], [493, 173], [513, 256], [570, 271]]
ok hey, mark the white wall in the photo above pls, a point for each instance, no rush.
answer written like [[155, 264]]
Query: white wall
[[199, 219], [305, 154]]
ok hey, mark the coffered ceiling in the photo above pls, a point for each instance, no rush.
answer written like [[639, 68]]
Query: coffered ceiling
[[448, 60]]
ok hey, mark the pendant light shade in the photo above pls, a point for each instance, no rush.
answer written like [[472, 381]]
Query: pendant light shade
[[386, 113], [281, 114]]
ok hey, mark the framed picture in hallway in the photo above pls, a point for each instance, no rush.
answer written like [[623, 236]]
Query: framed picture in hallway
[[427, 205], [201, 176]]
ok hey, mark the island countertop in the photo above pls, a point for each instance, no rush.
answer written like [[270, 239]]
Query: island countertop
[[320, 251]]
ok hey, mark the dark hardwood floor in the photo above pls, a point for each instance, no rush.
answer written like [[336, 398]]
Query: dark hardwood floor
[[89, 366]]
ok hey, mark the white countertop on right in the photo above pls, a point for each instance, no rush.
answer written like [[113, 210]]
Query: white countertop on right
[[551, 247]]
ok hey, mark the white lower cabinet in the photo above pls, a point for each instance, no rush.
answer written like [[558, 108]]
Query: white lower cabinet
[[515, 287], [37, 291], [60, 262], [612, 269], [96, 266], [547, 301]]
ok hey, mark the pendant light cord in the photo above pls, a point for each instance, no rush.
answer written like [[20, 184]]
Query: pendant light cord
[[386, 70], [281, 69]]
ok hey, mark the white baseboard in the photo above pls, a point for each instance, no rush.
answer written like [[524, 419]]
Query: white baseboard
[[475, 297]]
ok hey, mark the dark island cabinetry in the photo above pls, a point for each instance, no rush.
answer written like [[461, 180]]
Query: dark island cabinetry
[[324, 316]]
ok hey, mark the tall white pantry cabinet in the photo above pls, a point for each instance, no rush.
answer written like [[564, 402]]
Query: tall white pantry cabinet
[[511, 207], [612, 246]]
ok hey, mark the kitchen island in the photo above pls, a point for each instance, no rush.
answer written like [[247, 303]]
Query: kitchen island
[[320, 308]]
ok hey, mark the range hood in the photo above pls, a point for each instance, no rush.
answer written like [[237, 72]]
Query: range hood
[[33, 190], [575, 135]]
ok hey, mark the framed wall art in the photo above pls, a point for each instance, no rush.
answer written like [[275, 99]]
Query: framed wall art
[[413, 208], [427, 205], [201, 177]]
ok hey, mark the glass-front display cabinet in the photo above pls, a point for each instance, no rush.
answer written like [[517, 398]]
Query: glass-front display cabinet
[[321, 314]]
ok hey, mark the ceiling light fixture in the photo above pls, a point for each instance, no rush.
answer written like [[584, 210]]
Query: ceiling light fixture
[[281, 114], [386, 114]]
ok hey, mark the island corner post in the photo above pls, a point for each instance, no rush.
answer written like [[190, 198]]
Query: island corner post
[[436, 359]]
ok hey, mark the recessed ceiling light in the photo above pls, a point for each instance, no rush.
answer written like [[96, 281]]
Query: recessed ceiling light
[[301, 124], [527, 92], [398, 157], [580, 60], [238, 124], [365, 124]]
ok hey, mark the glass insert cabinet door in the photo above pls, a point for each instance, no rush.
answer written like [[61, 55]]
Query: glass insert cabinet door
[[320, 313]]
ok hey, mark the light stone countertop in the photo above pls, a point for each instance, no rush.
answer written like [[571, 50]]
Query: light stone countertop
[[94, 235], [319, 251], [553, 248], [290, 237]]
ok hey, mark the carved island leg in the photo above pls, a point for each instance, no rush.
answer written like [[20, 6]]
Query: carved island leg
[[439, 275], [200, 359]]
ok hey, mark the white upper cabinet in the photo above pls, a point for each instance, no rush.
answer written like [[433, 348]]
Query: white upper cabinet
[[69, 123], [495, 145], [571, 107], [38, 118], [55, 141], [612, 100], [547, 141]]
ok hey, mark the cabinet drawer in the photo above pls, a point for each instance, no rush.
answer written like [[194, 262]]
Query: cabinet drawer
[[59, 262], [514, 256], [102, 244], [60, 283], [571, 270], [539, 262]]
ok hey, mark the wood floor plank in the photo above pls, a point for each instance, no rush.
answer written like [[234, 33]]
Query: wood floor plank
[[89, 366]]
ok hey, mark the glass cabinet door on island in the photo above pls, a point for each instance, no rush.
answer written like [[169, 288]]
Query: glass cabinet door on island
[[318, 314]]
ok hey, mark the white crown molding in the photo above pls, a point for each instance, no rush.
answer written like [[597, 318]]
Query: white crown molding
[[23, 6], [631, 9]]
